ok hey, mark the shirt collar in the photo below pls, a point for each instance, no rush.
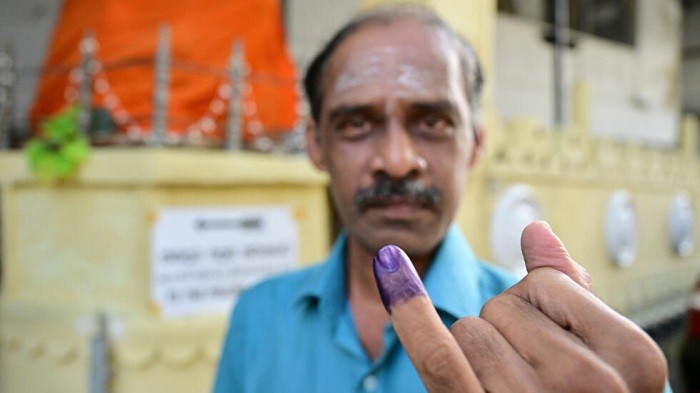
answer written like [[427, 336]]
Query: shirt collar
[[451, 281], [326, 285]]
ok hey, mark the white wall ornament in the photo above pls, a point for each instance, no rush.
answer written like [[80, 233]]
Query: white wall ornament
[[681, 225], [621, 229], [514, 209]]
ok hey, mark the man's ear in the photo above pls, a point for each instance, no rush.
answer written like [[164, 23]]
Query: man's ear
[[313, 145], [479, 133]]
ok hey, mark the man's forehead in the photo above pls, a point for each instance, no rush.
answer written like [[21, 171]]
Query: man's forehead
[[407, 38], [406, 52]]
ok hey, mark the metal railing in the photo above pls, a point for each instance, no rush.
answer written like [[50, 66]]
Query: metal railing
[[8, 83], [87, 81]]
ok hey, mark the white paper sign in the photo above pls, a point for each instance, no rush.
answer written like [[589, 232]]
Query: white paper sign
[[202, 258]]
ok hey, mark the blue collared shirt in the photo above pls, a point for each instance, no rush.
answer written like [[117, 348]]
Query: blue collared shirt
[[295, 333]]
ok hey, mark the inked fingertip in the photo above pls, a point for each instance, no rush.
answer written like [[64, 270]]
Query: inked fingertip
[[388, 257], [397, 279]]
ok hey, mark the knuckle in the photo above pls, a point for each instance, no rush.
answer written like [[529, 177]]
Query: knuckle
[[439, 366], [502, 307], [646, 368], [478, 341], [493, 307], [467, 333], [464, 326], [656, 374], [592, 375], [473, 335]]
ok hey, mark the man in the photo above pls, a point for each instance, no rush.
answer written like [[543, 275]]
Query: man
[[394, 98]]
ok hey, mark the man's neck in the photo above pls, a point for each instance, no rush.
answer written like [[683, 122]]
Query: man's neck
[[360, 271], [367, 309]]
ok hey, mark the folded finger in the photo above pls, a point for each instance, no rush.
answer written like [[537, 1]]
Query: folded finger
[[430, 346], [560, 359], [496, 363], [612, 337]]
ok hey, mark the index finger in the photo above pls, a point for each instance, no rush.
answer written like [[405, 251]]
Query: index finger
[[431, 347]]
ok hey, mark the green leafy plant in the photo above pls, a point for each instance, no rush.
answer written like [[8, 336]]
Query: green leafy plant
[[60, 149]]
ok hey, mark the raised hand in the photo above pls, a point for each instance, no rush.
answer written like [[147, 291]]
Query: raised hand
[[548, 333]]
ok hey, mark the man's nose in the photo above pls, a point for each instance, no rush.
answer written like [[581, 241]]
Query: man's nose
[[396, 154]]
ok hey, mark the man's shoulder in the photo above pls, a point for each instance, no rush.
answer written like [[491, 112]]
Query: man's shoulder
[[491, 278], [494, 278]]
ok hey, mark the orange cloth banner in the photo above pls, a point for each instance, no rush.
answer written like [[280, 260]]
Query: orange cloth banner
[[202, 33]]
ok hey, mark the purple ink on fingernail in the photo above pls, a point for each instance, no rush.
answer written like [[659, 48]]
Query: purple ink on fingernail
[[396, 277]]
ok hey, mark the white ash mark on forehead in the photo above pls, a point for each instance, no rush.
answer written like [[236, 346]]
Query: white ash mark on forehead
[[412, 76], [364, 66], [382, 64]]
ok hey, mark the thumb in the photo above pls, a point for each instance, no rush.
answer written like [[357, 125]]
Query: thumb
[[542, 248]]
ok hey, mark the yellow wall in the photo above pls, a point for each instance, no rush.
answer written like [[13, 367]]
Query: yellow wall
[[572, 176], [75, 249], [82, 247]]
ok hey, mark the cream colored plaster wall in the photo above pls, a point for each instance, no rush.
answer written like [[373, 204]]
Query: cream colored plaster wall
[[635, 91], [25, 26], [310, 24], [691, 64], [82, 247]]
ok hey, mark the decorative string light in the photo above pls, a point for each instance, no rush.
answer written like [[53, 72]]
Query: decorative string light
[[205, 125]]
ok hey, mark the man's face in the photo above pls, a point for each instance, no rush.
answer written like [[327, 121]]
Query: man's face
[[395, 135]]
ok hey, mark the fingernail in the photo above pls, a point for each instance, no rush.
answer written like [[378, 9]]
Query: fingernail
[[388, 258], [396, 277]]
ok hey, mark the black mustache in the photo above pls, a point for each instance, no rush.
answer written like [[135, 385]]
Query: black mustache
[[386, 188]]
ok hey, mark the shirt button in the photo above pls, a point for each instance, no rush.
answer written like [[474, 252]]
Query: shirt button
[[370, 383]]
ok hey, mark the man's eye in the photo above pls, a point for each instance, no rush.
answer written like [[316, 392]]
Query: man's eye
[[355, 127], [433, 122], [433, 126], [357, 122]]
